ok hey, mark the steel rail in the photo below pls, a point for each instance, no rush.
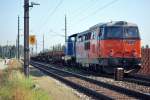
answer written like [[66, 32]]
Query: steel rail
[[126, 91], [74, 85], [139, 77]]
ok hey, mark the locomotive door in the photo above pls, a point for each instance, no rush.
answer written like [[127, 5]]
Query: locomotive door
[[100, 32]]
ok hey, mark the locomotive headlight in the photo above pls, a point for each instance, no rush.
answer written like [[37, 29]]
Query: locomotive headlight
[[134, 53], [111, 53]]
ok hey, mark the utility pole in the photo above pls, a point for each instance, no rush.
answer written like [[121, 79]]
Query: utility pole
[[65, 29], [7, 51], [16, 47], [18, 39], [36, 46], [10, 52], [26, 38], [43, 42]]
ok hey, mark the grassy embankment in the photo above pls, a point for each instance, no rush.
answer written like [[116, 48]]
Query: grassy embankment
[[14, 86]]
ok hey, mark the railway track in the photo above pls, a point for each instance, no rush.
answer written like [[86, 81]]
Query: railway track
[[134, 82], [132, 78], [90, 86], [80, 88], [137, 80]]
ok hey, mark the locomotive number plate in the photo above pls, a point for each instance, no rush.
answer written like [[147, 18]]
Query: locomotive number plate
[[131, 42]]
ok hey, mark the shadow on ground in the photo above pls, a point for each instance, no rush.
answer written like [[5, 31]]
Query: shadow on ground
[[35, 72]]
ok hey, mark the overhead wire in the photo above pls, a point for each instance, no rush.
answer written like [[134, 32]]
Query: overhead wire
[[56, 33], [79, 9], [85, 8], [50, 14], [98, 10], [61, 1], [79, 12]]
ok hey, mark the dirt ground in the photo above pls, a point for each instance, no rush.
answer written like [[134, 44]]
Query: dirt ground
[[56, 89]]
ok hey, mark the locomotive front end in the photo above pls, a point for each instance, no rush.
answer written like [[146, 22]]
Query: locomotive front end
[[121, 46]]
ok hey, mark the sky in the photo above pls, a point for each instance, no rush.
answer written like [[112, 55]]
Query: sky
[[49, 18]]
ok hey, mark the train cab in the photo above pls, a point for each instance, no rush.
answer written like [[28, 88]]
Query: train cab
[[106, 46], [70, 49], [120, 45]]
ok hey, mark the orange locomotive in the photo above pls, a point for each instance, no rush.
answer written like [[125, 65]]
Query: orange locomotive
[[106, 46]]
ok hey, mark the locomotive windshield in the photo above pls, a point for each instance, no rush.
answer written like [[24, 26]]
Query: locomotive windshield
[[114, 32], [131, 32], [121, 32]]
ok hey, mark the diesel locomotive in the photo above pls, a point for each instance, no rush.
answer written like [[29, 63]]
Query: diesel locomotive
[[106, 46]]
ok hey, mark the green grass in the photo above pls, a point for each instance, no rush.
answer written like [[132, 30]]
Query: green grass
[[15, 86]]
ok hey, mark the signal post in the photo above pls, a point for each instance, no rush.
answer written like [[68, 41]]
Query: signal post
[[26, 36], [32, 41]]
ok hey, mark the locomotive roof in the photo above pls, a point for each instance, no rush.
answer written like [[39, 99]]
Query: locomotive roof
[[84, 32], [114, 23], [73, 35]]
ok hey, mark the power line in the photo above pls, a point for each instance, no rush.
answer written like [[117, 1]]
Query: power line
[[99, 9], [50, 14], [56, 33], [65, 29], [18, 38], [79, 11]]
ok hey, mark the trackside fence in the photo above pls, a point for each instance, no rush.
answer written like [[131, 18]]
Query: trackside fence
[[145, 61]]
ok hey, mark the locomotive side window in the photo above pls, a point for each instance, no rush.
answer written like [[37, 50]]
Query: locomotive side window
[[87, 36], [93, 35], [83, 37], [87, 45], [101, 33]]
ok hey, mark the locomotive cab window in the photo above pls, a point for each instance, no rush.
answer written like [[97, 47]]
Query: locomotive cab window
[[131, 32], [114, 32], [73, 39], [121, 32]]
